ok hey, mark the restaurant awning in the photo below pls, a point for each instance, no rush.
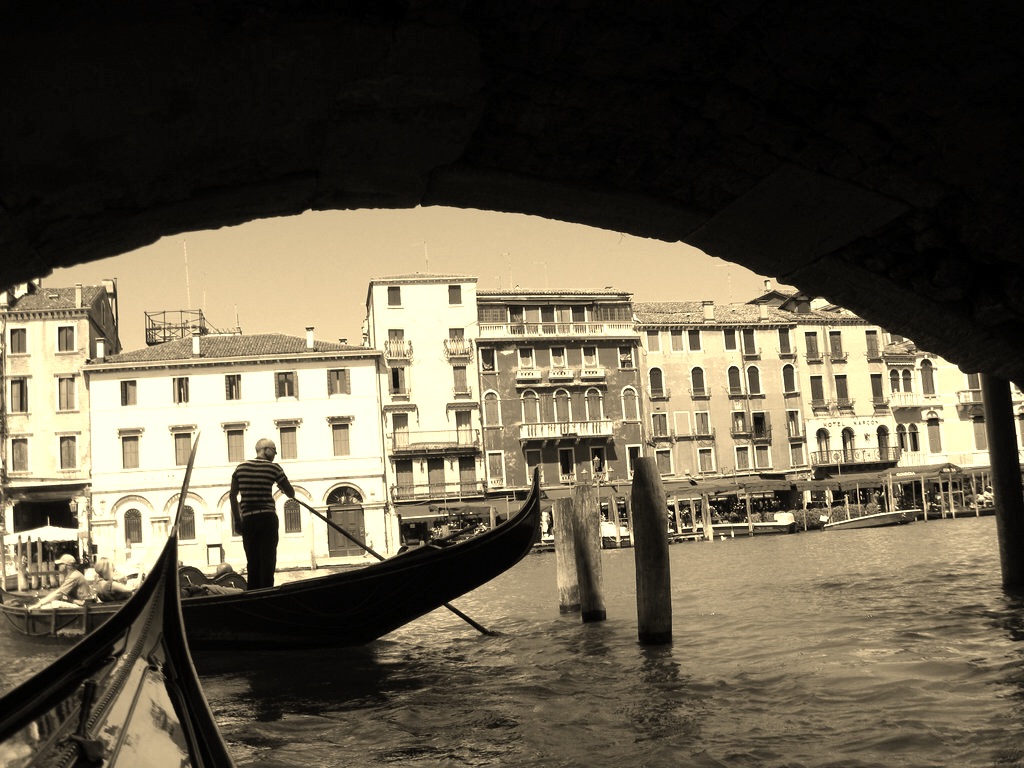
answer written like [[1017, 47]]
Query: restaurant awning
[[46, 533]]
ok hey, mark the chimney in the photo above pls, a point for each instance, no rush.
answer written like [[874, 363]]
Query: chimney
[[195, 344], [343, 341], [309, 336], [78, 295], [767, 286], [762, 311], [101, 348], [709, 311]]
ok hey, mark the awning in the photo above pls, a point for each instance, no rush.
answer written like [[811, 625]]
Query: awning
[[46, 533], [414, 512]]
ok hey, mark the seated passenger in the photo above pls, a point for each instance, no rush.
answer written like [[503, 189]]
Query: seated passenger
[[108, 588]]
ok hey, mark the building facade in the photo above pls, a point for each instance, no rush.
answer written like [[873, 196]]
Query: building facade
[[48, 335], [317, 400]]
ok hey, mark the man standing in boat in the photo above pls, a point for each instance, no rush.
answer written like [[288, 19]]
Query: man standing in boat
[[254, 512]]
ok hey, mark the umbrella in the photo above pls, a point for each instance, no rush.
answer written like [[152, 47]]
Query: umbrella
[[46, 533]]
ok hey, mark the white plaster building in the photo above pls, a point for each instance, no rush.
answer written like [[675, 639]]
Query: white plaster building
[[317, 400]]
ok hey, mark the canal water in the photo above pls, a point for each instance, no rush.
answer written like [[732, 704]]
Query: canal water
[[891, 647]]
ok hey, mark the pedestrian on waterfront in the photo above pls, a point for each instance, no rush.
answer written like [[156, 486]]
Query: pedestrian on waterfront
[[254, 512], [108, 589], [73, 586]]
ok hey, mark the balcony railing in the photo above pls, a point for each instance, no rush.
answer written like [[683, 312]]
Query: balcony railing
[[795, 431], [814, 356], [750, 352], [458, 348], [969, 397], [661, 394], [561, 374], [433, 441], [592, 372], [842, 457], [907, 400], [547, 430], [448, 491], [880, 403], [874, 354], [556, 330], [838, 356], [700, 394], [761, 435], [528, 375], [398, 349]]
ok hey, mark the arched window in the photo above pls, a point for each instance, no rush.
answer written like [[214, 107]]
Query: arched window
[[913, 438], [630, 405], [788, 378], [849, 442], [292, 517], [753, 380], [882, 433], [563, 406], [187, 524], [894, 381], [901, 437], [908, 381], [492, 410], [934, 435], [132, 527], [823, 439], [927, 377], [697, 386], [657, 382], [531, 407], [735, 384], [594, 404]]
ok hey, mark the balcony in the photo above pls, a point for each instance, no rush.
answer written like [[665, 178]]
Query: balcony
[[880, 403], [561, 374], [458, 349], [557, 330], [838, 356], [969, 397], [761, 434], [751, 352], [700, 394], [556, 430], [398, 349], [462, 391], [910, 400], [874, 354], [814, 356], [593, 372], [855, 457], [528, 376], [795, 431], [819, 405], [844, 404], [435, 441], [661, 394], [446, 491], [787, 354]]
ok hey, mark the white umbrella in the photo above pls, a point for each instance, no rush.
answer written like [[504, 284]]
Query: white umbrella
[[46, 533]]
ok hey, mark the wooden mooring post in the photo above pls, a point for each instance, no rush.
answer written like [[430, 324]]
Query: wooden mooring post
[[565, 556], [586, 527], [650, 548], [1006, 480]]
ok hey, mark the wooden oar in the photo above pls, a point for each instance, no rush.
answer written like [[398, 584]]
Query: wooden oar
[[478, 627]]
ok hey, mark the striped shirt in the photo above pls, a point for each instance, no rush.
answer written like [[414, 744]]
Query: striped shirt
[[255, 480]]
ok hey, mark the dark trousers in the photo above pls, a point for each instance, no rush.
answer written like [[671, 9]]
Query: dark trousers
[[259, 538]]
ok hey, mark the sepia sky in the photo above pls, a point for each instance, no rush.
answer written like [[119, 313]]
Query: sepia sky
[[284, 274]]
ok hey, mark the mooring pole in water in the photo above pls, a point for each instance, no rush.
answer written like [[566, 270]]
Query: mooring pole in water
[[650, 547], [586, 526], [565, 556], [1006, 480], [705, 514]]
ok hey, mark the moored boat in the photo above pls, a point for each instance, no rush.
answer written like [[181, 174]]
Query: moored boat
[[875, 520], [343, 609]]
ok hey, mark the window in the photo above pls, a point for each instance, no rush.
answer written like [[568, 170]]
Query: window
[[729, 338], [934, 436], [811, 344], [913, 438], [894, 381], [456, 333], [654, 341], [236, 445], [495, 469], [927, 377], [632, 457], [182, 447], [19, 454], [289, 441], [454, 294], [742, 457], [187, 524], [788, 379], [68, 452], [663, 458], [835, 345], [702, 423], [128, 392], [397, 381], [563, 406], [130, 451], [796, 454], [558, 357], [697, 385], [907, 378], [19, 341], [340, 434], [762, 457], [676, 339], [459, 380], [657, 382], [286, 384], [566, 465], [735, 383], [693, 339], [179, 389], [492, 410], [626, 358], [487, 360], [753, 380], [394, 296], [659, 424], [66, 393], [705, 460], [842, 390], [980, 435], [749, 341], [533, 464], [233, 386], [817, 391], [531, 407], [785, 345], [525, 357], [793, 427], [132, 527], [66, 338], [630, 405], [874, 352], [19, 394], [405, 485], [589, 357], [877, 394], [292, 517]]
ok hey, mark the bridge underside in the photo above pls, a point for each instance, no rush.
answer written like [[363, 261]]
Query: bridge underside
[[866, 152]]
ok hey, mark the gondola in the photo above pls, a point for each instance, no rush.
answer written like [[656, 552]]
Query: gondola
[[126, 695], [338, 610]]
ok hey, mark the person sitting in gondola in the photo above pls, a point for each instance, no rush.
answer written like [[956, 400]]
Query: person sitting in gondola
[[73, 589], [108, 588]]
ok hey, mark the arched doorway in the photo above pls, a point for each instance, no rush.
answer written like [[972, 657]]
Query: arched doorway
[[345, 508], [883, 443]]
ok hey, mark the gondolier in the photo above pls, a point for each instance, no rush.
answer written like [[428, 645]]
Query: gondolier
[[254, 511]]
